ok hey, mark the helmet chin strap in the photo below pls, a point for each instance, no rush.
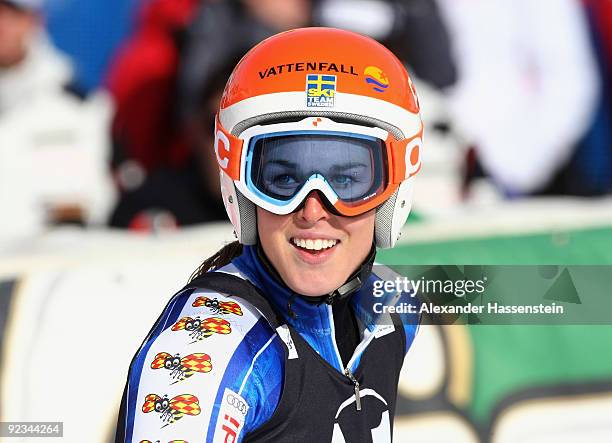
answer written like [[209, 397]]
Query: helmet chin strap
[[351, 285]]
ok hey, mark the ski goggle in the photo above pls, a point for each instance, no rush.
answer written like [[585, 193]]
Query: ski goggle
[[354, 167]]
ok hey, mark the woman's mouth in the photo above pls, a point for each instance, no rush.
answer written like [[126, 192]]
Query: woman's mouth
[[314, 250], [314, 244]]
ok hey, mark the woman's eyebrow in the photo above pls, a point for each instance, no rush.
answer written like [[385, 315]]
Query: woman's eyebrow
[[348, 166], [284, 163]]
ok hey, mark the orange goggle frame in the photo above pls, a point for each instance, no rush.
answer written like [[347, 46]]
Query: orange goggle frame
[[403, 160]]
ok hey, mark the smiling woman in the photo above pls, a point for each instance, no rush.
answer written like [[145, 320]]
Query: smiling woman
[[294, 245], [316, 172]]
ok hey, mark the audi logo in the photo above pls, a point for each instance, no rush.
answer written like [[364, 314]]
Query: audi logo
[[237, 403]]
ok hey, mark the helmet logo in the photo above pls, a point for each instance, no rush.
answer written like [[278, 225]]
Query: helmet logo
[[375, 77], [221, 137], [273, 71], [413, 157], [320, 90], [316, 122]]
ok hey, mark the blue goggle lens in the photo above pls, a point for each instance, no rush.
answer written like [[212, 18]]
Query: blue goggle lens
[[351, 164]]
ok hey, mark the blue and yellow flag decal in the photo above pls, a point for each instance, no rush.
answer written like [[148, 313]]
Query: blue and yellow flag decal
[[320, 90]]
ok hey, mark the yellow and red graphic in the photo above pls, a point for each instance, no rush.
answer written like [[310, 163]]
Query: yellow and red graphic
[[376, 78], [217, 307], [182, 368], [201, 329], [173, 409]]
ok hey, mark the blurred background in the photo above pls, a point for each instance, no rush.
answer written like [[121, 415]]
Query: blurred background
[[109, 196]]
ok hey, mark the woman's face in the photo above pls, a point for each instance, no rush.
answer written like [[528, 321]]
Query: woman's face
[[313, 250]]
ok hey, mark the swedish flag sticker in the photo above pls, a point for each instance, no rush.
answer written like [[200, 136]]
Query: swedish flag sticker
[[320, 90]]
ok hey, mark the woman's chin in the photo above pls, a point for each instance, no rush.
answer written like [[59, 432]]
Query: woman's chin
[[314, 287]]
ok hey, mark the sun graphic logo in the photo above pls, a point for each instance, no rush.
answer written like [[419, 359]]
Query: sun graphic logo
[[375, 77]]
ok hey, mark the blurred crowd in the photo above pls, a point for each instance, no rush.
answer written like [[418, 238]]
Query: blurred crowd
[[515, 93]]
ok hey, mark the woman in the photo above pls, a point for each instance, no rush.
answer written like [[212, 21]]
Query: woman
[[317, 139]]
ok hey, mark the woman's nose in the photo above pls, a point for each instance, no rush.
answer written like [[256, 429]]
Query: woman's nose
[[313, 209]]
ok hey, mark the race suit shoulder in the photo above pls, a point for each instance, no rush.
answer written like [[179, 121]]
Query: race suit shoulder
[[211, 368]]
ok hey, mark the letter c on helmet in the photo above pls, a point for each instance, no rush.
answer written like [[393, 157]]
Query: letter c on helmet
[[220, 136]]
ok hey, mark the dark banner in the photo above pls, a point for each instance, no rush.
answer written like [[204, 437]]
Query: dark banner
[[495, 295]]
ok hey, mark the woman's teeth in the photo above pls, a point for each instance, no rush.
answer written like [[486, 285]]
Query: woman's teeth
[[314, 245]]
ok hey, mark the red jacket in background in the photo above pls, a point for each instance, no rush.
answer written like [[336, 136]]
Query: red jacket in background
[[142, 81]]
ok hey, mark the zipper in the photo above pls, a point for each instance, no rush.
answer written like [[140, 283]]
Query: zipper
[[369, 336], [330, 314], [352, 378]]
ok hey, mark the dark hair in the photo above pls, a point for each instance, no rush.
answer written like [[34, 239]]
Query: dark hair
[[219, 259]]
